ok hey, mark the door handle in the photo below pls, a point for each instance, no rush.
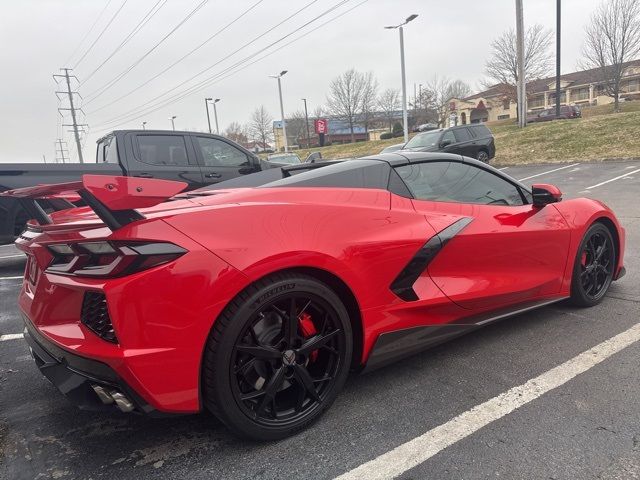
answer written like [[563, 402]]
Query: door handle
[[144, 175], [212, 175]]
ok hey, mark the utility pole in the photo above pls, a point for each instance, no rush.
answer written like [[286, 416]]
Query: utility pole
[[558, 23], [306, 119], [405, 119], [72, 109], [44, 159], [61, 150], [522, 98]]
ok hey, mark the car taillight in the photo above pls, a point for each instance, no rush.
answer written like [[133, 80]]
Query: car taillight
[[110, 259]]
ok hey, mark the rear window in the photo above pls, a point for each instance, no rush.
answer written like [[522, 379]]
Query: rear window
[[107, 151], [167, 150], [480, 131]]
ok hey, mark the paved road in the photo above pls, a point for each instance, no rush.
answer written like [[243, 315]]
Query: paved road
[[588, 427]]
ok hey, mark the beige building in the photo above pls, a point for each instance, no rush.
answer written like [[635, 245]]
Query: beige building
[[578, 88]]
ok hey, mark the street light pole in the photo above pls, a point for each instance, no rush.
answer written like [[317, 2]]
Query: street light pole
[[173, 125], [284, 126], [306, 119], [521, 85], [206, 105], [405, 119], [215, 115], [143, 125]]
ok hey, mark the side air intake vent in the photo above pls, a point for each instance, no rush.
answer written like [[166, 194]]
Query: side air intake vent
[[95, 316]]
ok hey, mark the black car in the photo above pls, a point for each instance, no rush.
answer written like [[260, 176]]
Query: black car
[[566, 112], [475, 141]]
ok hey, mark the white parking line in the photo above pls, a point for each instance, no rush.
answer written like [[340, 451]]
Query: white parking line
[[416, 451], [548, 171], [11, 336], [12, 256], [503, 168], [20, 277], [613, 179]]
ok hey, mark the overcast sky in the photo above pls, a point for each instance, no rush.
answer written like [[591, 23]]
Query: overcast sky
[[37, 37]]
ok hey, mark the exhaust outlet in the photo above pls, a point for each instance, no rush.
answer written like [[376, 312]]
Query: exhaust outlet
[[123, 403], [104, 396]]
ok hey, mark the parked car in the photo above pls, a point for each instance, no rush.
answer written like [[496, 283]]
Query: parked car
[[254, 303], [280, 160], [548, 114], [475, 141], [199, 159], [425, 127]]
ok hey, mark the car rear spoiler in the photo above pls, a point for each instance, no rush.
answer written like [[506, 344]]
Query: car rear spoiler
[[113, 198]]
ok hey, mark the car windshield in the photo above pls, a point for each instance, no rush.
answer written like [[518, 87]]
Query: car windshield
[[428, 139], [290, 158]]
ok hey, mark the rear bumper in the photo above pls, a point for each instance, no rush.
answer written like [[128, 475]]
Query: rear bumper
[[75, 376]]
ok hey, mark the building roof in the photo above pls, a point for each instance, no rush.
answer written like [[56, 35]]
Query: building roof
[[541, 85]]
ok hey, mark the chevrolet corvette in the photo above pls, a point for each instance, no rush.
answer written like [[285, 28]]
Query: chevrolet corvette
[[253, 299]]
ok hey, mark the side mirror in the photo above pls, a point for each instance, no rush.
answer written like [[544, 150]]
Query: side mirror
[[445, 143], [544, 194]]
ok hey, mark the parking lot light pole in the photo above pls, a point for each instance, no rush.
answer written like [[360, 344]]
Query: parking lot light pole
[[284, 127], [405, 119], [206, 105], [173, 125], [215, 116], [306, 119], [143, 125]]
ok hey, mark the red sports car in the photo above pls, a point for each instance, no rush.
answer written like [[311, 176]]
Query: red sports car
[[254, 299]]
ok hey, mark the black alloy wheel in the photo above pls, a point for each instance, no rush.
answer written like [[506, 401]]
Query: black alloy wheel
[[483, 156], [282, 355], [594, 266]]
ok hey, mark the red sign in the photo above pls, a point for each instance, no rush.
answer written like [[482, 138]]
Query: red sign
[[321, 125], [452, 106]]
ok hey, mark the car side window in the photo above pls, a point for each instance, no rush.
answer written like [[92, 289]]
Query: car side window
[[448, 137], [462, 135], [216, 153], [458, 182], [163, 150]]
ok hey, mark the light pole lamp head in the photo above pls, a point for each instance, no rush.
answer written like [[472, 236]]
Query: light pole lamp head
[[283, 72], [173, 117], [411, 17], [216, 100], [208, 99]]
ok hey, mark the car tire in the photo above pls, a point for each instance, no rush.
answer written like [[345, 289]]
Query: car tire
[[266, 380], [594, 267], [482, 156]]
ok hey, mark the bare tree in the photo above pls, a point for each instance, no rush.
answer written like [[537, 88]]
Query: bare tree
[[368, 103], [612, 39], [318, 112], [389, 104], [502, 67], [236, 132], [346, 93], [261, 125], [297, 126], [440, 90]]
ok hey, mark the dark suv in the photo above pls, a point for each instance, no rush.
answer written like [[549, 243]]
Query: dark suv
[[473, 140]]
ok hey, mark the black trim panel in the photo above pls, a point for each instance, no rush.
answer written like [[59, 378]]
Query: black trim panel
[[402, 286], [392, 346]]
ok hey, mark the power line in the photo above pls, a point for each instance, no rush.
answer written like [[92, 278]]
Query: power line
[[150, 14], [238, 69], [96, 93], [101, 33], [193, 88], [221, 75], [93, 25], [181, 58]]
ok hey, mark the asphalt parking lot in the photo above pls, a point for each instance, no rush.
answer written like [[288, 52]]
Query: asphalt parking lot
[[587, 427]]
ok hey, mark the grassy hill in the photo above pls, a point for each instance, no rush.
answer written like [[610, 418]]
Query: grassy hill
[[599, 135]]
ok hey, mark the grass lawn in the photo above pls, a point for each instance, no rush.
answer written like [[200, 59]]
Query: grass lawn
[[599, 135]]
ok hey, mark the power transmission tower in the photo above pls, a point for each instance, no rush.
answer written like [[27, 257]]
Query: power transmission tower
[[75, 126], [62, 152]]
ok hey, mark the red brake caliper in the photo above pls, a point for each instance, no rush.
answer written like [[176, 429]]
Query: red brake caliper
[[308, 330]]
